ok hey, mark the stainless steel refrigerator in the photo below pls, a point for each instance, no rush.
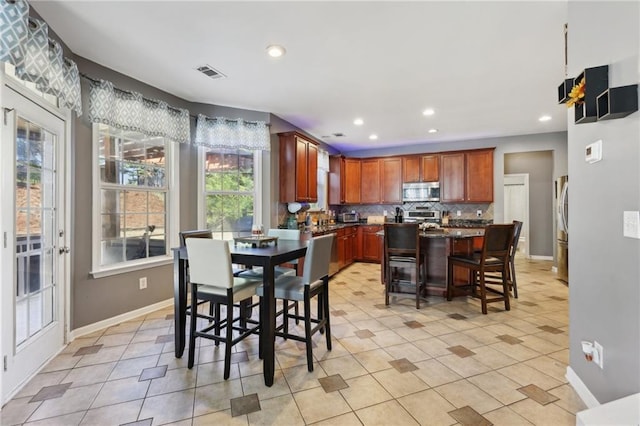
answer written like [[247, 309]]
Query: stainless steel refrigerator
[[562, 208]]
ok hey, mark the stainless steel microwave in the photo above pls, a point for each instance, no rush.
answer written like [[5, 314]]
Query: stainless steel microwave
[[348, 217], [421, 191]]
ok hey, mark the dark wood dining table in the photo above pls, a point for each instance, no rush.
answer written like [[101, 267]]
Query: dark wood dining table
[[268, 257]]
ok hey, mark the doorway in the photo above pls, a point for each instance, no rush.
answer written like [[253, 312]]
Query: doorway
[[516, 207], [34, 264]]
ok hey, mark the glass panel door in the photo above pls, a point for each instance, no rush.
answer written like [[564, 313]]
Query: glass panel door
[[33, 254]]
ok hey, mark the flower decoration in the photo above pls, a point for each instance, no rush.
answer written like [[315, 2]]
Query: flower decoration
[[576, 96]]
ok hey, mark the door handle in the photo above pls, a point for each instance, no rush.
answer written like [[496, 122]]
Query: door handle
[[63, 250]]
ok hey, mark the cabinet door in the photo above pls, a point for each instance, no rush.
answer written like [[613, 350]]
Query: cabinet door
[[302, 192], [411, 169], [479, 182], [371, 244], [312, 173], [391, 179], [352, 181], [370, 181], [359, 243], [452, 178], [430, 168]]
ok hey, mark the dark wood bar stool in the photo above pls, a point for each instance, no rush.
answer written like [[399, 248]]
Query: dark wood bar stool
[[403, 262], [494, 258]]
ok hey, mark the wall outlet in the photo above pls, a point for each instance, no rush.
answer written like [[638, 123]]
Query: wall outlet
[[459, 213], [143, 283], [598, 356], [479, 213], [384, 213]]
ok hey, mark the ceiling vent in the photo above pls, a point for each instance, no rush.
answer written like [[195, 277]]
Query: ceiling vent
[[338, 135], [209, 71]]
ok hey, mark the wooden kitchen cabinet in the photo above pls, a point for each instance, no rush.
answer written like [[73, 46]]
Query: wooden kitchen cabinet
[[467, 176], [371, 243], [452, 177], [370, 181], [479, 181], [421, 168], [391, 180], [300, 155], [352, 180], [346, 246]]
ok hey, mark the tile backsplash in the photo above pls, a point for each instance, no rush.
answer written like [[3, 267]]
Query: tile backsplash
[[467, 211]]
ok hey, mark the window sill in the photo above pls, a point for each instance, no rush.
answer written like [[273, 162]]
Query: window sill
[[115, 270]]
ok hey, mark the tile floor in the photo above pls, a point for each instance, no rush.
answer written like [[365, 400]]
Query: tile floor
[[444, 364]]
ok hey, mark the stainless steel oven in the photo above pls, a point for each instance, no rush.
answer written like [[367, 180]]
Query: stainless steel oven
[[423, 215]]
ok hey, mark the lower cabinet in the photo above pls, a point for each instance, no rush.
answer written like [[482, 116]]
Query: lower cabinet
[[371, 248], [346, 246]]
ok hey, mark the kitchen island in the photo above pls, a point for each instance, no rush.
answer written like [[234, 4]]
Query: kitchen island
[[436, 246]]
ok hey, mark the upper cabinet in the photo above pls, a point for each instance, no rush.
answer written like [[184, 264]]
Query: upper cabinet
[[421, 168], [467, 176], [391, 180], [298, 168], [370, 181], [352, 180]]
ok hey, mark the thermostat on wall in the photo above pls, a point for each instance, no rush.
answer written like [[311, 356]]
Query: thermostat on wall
[[593, 152]]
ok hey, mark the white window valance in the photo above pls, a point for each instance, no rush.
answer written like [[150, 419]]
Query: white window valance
[[222, 132], [25, 43], [130, 111]]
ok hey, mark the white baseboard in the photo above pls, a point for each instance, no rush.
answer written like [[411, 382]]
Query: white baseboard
[[554, 269], [581, 389], [537, 257], [109, 322]]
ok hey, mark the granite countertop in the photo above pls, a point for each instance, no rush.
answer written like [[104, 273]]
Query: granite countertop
[[448, 233]]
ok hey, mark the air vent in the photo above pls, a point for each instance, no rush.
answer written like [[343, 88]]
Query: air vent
[[338, 135], [209, 71]]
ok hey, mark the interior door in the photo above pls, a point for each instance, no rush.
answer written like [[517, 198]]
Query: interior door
[[33, 252]]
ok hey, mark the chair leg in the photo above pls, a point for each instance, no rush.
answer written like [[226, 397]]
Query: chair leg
[[192, 326], [216, 329], [417, 284], [296, 311], [483, 293], [307, 330], [320, 307], [325, 303], [505, 290], [228, 340], [512, 273], [285, 317]]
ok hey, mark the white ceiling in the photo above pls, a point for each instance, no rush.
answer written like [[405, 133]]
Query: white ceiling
[[489, 69]]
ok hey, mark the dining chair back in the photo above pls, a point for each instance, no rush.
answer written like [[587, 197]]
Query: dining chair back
[[403, 262]]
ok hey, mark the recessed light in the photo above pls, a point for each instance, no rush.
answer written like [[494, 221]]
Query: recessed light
[[433, 130], [373, 137], [358, 121], [428, 111], [275, 50], [544, 118]]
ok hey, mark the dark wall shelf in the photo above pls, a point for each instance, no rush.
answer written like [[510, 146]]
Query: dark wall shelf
[[596, 81], [617, 102], [564, 89], [600, 101]]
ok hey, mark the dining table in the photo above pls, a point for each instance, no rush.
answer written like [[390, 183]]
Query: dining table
[[267, 256]]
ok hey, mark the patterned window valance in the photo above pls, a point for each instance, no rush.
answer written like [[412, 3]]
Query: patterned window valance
[[25, 43], [130, 111], [234, 134]]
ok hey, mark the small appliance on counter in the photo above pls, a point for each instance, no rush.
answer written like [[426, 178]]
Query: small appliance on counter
[[349, 217]]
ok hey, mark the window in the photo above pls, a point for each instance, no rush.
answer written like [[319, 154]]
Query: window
[[132, 198], [231, 191]]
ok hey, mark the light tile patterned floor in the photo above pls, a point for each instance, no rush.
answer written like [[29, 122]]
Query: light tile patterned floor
[[444, 364]]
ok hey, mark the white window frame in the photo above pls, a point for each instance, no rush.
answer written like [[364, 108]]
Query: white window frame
[[173, 214], [257, 186]]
